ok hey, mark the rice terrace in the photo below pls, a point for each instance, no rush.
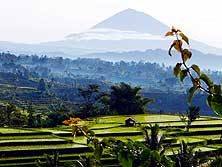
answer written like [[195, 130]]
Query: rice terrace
[[106, 84], [24, 146]]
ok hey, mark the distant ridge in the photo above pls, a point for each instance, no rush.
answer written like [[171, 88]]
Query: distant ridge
[[127, 31], [132, 20]]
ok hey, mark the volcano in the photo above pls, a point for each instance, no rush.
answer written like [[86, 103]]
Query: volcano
[[132, 20], [129, 30]]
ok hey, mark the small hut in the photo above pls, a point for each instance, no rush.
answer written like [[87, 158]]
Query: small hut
[[130, 122]]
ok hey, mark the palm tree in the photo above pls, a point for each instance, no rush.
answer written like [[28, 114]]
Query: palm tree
[[186, 156], [90, 95], [51, 160], [192, 114], [154, 141], [138, 154], [88, 161], [125, 99]]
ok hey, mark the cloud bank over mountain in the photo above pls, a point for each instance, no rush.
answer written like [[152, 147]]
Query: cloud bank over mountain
[[112, 34], [126, 31]]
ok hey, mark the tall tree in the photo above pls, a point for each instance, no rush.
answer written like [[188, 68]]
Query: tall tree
[[192, 114], [42, 85], [90, 95], [9, 109], [3, 118], [18, 119], [31, 118], [125, 99]]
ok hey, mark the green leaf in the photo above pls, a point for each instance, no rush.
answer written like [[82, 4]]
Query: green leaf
[[145, 154], [98, 151], [217, 89], [177, 69], [207, 80], [211, 89], [85, 129], [183, 74], [196, 68], [191, 94], [167, 161], [178, 45], [186, 54], [74, 129], [184, 37], [195, 81], [156, 155], [215, 102]]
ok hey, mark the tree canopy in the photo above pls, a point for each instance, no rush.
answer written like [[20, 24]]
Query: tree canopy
[[125, 99]]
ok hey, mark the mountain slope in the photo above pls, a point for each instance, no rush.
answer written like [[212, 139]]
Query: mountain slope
[[132, 20], [126, 31], [161, 56]]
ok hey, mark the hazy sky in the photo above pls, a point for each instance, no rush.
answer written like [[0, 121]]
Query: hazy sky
[[46, 20]]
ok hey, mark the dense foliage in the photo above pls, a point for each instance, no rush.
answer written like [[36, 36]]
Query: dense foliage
[[49, 84], [200, 81], [125, 99], [80, 71]]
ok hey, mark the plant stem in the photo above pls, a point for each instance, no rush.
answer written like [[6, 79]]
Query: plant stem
[[188, 69]]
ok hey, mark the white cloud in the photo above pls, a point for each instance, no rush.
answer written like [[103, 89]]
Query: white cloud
[[112, 34]]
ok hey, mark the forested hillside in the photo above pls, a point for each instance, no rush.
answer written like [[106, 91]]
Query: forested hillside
[[48, 83]]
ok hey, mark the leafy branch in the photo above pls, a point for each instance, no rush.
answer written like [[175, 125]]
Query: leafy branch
[[199, 80], [78, 126]]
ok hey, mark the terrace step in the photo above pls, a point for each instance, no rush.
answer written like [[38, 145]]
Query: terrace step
[[192, 126], [18, 165], [31, 133], [190, 144], [41, 151], [68, 134], [106, 160], [214, 141], [32, 142], [197, 133], [31, 164], [119, 134]]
